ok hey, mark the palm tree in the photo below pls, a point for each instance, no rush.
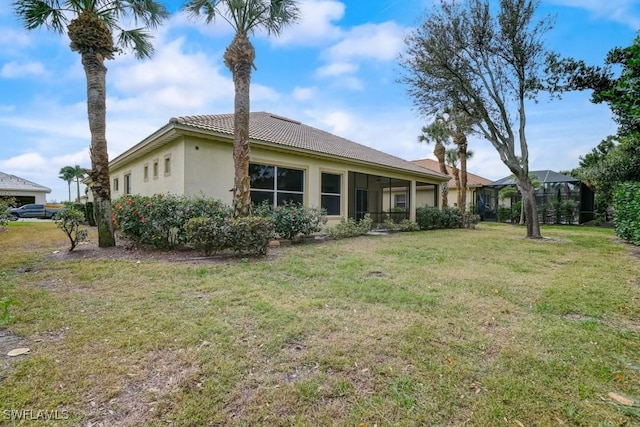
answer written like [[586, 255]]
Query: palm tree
[[452, 156], [438, 133], [67, 173], [460, 125], [78, 173], [94, 29], [245, 16]]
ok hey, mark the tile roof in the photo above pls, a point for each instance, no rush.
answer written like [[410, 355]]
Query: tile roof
[[267, 127], [15, 183], [473, 180]]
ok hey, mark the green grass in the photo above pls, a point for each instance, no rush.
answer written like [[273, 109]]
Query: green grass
[[453, 327]]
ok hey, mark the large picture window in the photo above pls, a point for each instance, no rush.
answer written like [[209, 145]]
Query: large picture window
[[330, 193], [276, 184]]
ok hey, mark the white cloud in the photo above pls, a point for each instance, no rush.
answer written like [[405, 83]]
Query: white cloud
[[10, 38], [303, 93], [316, 25], [382, 42], [12, 70], [622, 11], [336, 69]]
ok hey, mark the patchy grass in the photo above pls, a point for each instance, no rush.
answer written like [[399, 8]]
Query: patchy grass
[[453, 327]]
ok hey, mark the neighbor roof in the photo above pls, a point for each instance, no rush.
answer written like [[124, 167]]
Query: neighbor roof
[[544, 176], [15, 183], [270, 128], [473, 180]]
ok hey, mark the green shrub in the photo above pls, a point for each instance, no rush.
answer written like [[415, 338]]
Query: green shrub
[[429, 217], [451, 218], [292, 219], [348, 227], [504, 214], [403, 225], [160, 220], [626, 212], [568, 208], [516, 210], [251, 235], [470, 220], [208, 235], [5, 205], [69, 221], [557, 212]]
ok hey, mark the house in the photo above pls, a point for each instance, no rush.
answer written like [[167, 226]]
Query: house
[[289, 161], [23, 191], [553, 187], [474, 184]]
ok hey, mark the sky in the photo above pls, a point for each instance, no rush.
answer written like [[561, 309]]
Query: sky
[[337, 69]]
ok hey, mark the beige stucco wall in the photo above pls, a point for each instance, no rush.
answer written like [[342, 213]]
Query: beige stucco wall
[[204, 166]]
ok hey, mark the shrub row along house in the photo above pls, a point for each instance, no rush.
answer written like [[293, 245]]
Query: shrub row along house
[[289, 161]]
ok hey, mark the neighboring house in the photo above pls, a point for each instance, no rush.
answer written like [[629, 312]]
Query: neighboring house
[[554, 187], [474, 183], [23, 191], [289, 161]]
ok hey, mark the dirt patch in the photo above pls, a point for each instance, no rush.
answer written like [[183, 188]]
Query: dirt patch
[[127, 251], [8, 342]]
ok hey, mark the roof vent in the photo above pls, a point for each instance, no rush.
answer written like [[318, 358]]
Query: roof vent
[[284, 119]]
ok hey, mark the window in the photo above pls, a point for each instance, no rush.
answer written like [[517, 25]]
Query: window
[[275, 184], [400, 200], [145, 172], [155, 169], [330, 193], [127, 184], [116, 186], [167, 165]]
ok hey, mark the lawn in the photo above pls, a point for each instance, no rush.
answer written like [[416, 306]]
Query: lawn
[[440, 328]]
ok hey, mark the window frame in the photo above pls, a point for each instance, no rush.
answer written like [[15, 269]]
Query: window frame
[[326, 194], [274, 191], [156, 168], [127, 183], [167, 164], [403, 204], [116, 184]]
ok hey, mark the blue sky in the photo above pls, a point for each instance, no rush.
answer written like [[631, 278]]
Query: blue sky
[[336, 70]]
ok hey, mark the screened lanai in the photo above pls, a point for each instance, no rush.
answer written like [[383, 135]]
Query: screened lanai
[[553, 188]]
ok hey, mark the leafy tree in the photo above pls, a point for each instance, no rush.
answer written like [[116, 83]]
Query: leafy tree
[[67, 174], [246, 17], [438, 133], [486, 67], [93, 26]]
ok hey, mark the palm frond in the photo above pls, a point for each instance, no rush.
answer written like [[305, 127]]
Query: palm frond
[[138, 41], [150, 12], [38, 13], [202, 8]]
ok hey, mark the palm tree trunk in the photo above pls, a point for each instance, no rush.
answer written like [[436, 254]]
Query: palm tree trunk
[[239, 57], [456, 176], [96, 74], [461, 140], [78, 188], [439, 151], [69, 185]]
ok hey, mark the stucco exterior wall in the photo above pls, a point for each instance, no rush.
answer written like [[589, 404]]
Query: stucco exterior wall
[[202, 166]]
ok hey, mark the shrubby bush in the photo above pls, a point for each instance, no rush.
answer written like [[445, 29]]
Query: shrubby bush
[[160, 220], [470, 220], [5, 204], [348, 227], [69, 221], [430, 217], [403, 225], [292, 219], [208, 235], [626, 212], [251, 235]]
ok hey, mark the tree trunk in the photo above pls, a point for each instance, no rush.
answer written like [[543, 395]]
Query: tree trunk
[[530, 209], [69, 185], [439, 151], [97, 108], [78, 188], [456, 176], [461, 141], [239, 58]]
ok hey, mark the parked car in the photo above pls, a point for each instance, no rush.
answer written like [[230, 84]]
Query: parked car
[[33, 211]]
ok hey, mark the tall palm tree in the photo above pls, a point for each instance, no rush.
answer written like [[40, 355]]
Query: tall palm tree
[[452, 156], [67, 173], [93, 26], [78, 173], [460, 125], [438, 133], [245, 16]]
